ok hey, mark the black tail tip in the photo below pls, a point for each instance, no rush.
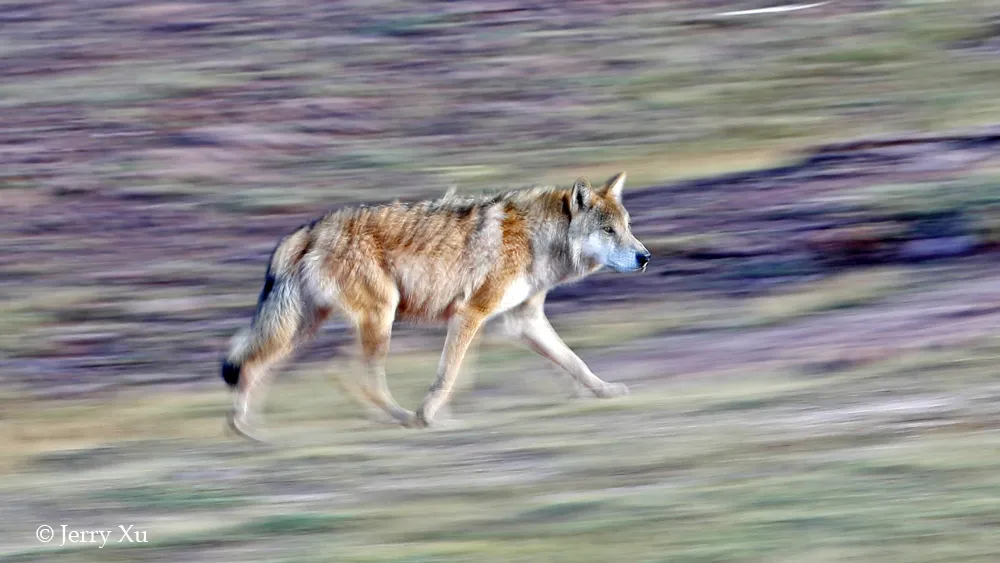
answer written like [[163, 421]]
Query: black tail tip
[[230, 373]]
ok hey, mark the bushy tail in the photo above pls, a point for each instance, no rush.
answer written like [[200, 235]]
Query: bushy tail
[[279, 310], [231, 373]]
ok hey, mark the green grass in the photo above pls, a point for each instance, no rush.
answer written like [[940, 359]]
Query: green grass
[[765, 467], [849, 290], [974, 192]]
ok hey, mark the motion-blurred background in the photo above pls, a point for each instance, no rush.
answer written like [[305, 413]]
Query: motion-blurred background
[[812, 355]]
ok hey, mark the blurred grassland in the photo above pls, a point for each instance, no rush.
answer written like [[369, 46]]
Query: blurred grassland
[[893, 462], [886, 460], [371, 100], [877, 443]]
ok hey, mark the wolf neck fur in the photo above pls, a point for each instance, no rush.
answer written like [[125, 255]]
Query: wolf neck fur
[[550, 228], [550, 232]]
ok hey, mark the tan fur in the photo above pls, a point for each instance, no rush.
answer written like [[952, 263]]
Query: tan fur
[[459, 261]]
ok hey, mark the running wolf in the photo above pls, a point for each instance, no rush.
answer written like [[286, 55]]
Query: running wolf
[[456, 261]]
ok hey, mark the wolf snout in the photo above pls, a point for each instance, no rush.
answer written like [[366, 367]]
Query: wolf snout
[[642, 258]]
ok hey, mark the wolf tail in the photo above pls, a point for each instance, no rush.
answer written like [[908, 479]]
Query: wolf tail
[[279, 310]]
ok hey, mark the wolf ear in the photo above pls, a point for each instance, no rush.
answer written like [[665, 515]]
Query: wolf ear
[[582, 191], [614, 185]]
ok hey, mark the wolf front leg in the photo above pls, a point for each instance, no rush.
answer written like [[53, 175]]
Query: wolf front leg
[[461, 331], [529, 325]]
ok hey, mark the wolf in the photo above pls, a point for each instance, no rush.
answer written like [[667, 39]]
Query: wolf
[[458, 261]]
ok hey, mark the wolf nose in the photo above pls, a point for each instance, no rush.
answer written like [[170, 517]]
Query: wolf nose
[[642, 258]]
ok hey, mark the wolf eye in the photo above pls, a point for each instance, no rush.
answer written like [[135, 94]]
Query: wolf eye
[[609, 230]]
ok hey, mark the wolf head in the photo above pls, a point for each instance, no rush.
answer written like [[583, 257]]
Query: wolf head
[[599, 231]]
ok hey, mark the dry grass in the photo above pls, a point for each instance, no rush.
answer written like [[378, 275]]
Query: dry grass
[[768, 466]]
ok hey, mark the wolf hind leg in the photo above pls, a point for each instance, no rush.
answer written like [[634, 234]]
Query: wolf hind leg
[[371, 306], [255, 376], [276, 335], [374, 332]]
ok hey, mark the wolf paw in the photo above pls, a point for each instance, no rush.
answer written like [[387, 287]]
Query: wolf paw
[[417, 420], [611, 390], [380, 417], [441, 421], [239, 426]]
